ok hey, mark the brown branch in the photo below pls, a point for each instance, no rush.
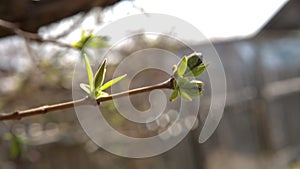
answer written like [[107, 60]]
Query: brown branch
[[17, 115], [31, 15], [28, 35]]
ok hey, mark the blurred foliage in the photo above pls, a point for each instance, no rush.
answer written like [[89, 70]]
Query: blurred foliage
[[88, 39], [17, 145], [294, 166]]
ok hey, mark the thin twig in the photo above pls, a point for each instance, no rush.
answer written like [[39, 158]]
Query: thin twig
[[28, 35], [75, 24], [17, 115]]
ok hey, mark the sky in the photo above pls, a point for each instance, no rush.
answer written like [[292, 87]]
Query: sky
[[216, 19]]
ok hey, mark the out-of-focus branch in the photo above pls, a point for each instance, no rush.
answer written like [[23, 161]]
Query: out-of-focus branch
[[30, 36], [31, 15], [17, 115]]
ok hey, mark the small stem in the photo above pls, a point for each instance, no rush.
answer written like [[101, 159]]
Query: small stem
[[167, 85], [17, 115]]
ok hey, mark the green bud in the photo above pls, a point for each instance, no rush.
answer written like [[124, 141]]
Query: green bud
[[199, 84], [174, 69], [194, 60]]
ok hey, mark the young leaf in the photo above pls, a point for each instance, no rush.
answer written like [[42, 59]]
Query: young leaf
[[194, 59], [82, 34], [100, 74], [80, 43], [194, 92], [101, 94], [112, 82], [175, 84], [196, 71], [185, 95], [182, 66], [183, 83], [198, 83], [85, 87], [89, 71], [199, 69], [77, 45], [16, 147], [97, 41], [174, 69], [174, 95]]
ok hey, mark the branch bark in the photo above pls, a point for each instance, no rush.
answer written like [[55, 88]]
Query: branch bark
[[28, 35], [17, 115], [31, 15]]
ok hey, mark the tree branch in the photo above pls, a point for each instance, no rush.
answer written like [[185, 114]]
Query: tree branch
[[28, 35], [17, 115], [31, 15]]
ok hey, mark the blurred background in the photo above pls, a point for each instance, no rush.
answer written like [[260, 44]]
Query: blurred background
[[258, 43]]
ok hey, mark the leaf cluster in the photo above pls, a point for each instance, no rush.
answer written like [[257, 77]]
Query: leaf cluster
[[184, 73], [95, 87], [88, 39]]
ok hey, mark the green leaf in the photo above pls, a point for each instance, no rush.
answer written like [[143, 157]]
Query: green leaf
[[86, 88], [100, 75], [182, 66], [194, 59], [194, 92], [192, 88], [196, 71], [198, 83], [101, 94], [112, 82], [85, 36], [185, 95], [175, 84], [174, 95], [183, 83], [199, 69], [174, 69], [77, 45], [16, 147], [89, 71], [97, 41], [82, 34]]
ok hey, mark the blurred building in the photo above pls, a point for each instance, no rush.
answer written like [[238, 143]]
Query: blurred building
[[260, 126]]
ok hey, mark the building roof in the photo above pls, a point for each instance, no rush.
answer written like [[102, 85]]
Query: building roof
[[288, 17]]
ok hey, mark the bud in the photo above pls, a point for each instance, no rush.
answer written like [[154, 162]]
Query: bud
[[198, 84], [194, 60], [174, 69]]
